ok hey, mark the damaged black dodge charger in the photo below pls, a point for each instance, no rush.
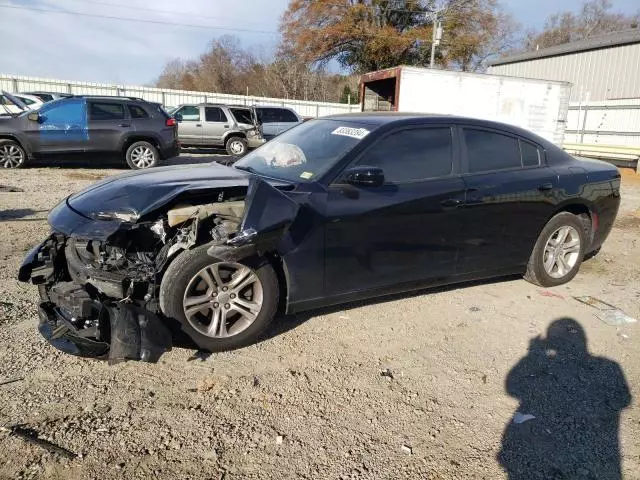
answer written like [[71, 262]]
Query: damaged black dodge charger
[[338, 209]]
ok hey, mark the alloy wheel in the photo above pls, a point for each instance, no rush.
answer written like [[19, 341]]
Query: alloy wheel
[[561, 251], [11, 156], [142, 157], [223, 299]]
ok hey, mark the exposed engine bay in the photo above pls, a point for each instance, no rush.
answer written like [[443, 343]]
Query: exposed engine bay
[[100, 296]]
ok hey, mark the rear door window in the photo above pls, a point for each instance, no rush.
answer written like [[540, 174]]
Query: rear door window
[[214, 114], [531, 155], [137, 111], [488, 151], [106, 111]]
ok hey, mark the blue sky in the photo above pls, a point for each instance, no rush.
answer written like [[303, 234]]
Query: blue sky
[[38, 42]]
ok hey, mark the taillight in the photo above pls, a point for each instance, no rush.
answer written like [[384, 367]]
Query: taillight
[[171, 122]]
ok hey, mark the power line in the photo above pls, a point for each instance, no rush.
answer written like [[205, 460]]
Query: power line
[[147, 9], [160, 22], [373, 7], [139, 20]]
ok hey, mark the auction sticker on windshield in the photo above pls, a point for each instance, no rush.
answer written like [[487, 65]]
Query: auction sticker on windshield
[[358, 133]]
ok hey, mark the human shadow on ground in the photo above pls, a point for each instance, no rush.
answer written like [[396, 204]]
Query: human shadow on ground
[[567, 423]]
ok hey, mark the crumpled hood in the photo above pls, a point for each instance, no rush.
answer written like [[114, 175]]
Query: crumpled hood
[[144, 191]]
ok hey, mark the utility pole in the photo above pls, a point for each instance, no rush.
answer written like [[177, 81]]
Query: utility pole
[[436, 37]]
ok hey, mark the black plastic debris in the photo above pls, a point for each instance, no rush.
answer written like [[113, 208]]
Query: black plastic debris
[[31, 436]]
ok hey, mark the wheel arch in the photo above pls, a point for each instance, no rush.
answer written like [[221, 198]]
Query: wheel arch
[[234, 133], [14, 138], [581, 210], [130, 140]]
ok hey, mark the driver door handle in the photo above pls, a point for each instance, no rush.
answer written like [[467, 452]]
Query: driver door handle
[[545, 187], [124, 125]]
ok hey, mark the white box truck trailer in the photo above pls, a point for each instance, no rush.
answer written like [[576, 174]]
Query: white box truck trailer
[[540, 106]]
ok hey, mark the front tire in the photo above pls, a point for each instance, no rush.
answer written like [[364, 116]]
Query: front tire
[[141, 155], [237, 146], [558, 252], [220, 305], [12, 155]]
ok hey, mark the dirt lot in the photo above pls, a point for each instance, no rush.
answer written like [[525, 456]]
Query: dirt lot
[[408, 387]]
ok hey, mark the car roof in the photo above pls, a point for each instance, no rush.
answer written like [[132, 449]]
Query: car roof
[[379, 119], [112, 97]]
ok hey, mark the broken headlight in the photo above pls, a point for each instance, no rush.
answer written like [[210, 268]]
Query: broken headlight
[[125, 215]]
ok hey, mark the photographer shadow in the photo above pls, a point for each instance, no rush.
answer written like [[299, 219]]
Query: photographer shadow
[[567, 423]]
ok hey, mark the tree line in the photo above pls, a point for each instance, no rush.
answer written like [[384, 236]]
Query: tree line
[[367, 35]]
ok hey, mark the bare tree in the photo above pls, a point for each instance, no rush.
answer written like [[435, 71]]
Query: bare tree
[[595, 18]]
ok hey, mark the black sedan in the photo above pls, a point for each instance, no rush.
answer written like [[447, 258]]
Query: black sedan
[[337, 209]]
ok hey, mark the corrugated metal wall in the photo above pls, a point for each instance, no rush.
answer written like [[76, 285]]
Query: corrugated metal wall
[[13, 83], [610, 73], [613, 122]]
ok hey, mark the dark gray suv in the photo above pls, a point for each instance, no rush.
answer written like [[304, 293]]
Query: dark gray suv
[[142, 132]]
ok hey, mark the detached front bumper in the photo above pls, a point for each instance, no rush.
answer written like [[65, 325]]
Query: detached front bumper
[[78, 319]]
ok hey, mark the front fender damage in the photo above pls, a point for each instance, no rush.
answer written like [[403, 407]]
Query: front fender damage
[[268, 214]]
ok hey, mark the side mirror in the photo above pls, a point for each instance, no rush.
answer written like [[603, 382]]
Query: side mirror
[[178, 117], [364, 176], [34, 117]]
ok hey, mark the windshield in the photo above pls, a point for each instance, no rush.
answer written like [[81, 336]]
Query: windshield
[[305, 152]]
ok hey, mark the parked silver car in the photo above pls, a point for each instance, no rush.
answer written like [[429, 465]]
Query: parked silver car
[[236, 128], [276, 120]]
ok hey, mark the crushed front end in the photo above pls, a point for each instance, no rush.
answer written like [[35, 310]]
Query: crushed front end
[[98, 296], [101, 271]]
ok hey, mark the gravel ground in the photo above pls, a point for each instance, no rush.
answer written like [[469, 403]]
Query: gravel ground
[[416, 386]]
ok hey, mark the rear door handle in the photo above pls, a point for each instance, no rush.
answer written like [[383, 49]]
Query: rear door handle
[[451, 203], [226, 126], [545, 187], [198, 124], [124, 125]]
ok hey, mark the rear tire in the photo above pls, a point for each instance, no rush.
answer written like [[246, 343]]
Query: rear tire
[[184, 289], [237, 146], [558, 252], [141, 155], [12, 155]]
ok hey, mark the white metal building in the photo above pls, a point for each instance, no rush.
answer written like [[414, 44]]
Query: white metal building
[[600, 68]]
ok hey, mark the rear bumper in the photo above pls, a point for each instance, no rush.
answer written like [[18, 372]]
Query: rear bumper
[[170, 151], [255, 142]]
